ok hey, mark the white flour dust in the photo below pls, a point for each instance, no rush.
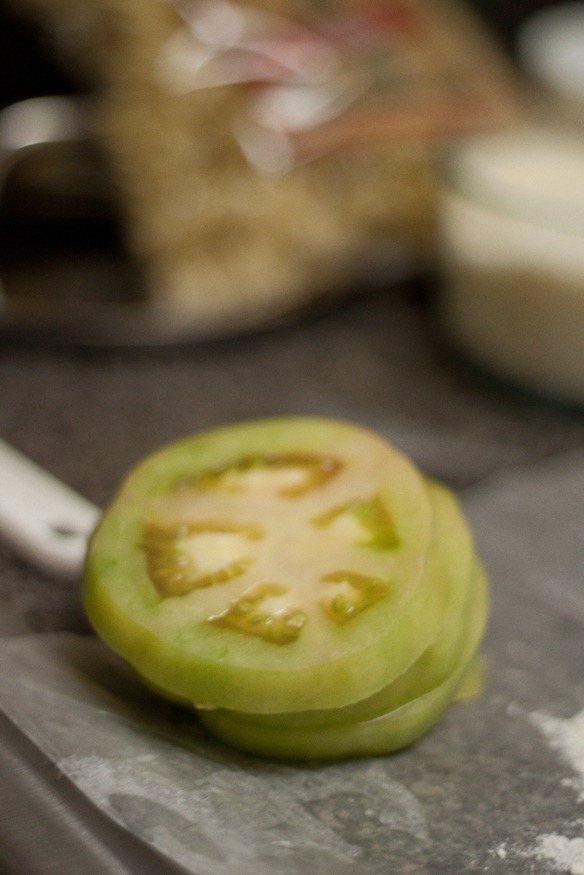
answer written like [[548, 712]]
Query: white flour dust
[[567, 855], [566, 737], [560, 853]]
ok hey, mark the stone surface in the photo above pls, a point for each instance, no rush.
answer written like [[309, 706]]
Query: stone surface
[[494, 788]]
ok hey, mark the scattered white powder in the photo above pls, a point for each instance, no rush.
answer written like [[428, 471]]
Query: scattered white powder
[[566, 854], [501, 852], [567, 738]]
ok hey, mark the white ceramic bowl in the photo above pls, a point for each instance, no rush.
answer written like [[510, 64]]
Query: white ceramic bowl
[[512, 245]]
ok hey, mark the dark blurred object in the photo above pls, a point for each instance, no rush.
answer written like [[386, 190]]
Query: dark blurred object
[[64, 270], [27, 66], [505, 17]]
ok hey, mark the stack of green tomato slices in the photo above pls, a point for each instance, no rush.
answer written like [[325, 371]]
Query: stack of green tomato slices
[[297, 581]]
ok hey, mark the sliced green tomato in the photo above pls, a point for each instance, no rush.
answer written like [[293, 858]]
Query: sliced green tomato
[[404, 722], [450, 570], [269, 566], [296, 580]]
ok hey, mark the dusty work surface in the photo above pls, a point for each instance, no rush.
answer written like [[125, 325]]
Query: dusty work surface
[[96, 777]]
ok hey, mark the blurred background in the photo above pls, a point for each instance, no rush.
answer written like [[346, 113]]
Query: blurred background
[[27, 68]]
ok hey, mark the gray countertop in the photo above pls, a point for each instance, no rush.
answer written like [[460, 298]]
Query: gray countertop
[[497, 787]]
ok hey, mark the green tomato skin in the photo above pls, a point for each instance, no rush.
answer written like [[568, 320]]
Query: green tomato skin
[[377, 737]]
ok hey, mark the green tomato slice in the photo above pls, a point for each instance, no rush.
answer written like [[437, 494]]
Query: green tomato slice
[[405, 721], [296, 580], [268, 566], [449, 571]]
